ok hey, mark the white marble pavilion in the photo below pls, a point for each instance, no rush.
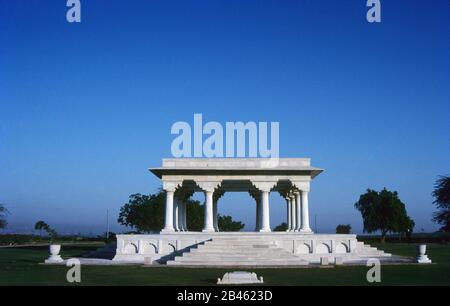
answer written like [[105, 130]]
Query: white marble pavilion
[[290, 177]]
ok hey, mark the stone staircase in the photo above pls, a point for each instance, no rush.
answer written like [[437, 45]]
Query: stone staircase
[[365, 250], [237, 252], [257, 252]]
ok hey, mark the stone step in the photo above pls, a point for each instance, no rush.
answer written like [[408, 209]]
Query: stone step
[[239, 241], [362, 250], [252, 244], [240, 247], [235, 256], [242, 251], [368, 250], [375, 255], [372, 253], [270, 262], [225, 260]]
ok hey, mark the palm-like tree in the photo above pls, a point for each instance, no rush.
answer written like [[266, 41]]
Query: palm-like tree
[[41, 226]]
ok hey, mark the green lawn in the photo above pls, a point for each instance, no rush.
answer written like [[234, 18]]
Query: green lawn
[[20, 266]]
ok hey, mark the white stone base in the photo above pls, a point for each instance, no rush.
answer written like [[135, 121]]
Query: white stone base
[[423, 259], [239, 277], [241, 249], [167, 231], [54, 259]]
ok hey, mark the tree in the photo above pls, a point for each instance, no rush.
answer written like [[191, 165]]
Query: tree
[[383, 211], [226, 224], [343, 229], [441, 196], [195, 216], [406, 227], [42, 226], [281, 228], [145, 213], [3, 213]]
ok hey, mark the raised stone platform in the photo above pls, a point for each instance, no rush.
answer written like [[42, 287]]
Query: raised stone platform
[[242, 249]]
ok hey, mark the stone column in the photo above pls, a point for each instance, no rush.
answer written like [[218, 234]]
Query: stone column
[[176, 224], [292, 215], [185, 216], [265, 213], [215, 222], [298, 209], [293, 212], [209, 219], [289, 224], [305, 213], [258, 213], [168, 220]]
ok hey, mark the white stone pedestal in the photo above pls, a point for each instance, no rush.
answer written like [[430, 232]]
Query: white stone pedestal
[[54, 254], [422, 258], [239, 277]]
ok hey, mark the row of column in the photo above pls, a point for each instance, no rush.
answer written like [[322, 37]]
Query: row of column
[[175, 213], [297, 211]]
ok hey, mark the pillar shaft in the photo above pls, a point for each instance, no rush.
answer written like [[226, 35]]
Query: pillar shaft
[[292, 210], [168, 220], [305, 213], [258, 215], [215, 221], [298, 211], [265, 214], [209, 220], [176, 212], [289, 221]]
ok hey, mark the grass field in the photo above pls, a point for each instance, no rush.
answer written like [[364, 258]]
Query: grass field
[[20, 266]]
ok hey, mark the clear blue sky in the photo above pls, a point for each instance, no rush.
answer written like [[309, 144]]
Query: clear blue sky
[[86, 108]]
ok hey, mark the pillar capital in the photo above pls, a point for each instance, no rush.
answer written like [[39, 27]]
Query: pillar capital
[[208, 186], [301, 185], [171, 185], [264, 186]]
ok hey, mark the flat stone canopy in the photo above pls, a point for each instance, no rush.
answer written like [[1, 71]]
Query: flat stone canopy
[[236, 173]]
